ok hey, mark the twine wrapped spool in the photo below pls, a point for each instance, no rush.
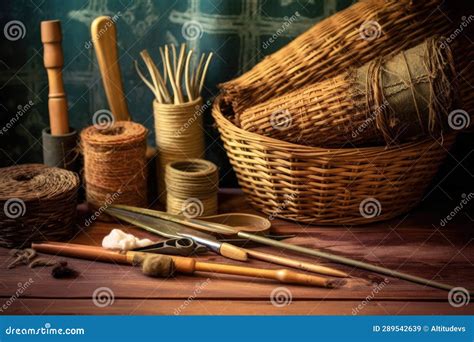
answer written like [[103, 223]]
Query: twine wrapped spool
[[115, 164], [389, 100], [37, 203], [349, 38], [192, 187], [179, 135]]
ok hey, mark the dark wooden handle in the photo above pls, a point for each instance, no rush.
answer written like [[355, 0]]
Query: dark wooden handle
[[53, 58]]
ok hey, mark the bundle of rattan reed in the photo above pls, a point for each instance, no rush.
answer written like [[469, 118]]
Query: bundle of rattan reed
[[177, 106], [392, 100], [115, 164], [351, 37], [191, 187], [37, 203], [329, 185]]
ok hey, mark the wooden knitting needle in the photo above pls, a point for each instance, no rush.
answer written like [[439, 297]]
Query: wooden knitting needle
[[183, 264], [305, 266], [51, 37]]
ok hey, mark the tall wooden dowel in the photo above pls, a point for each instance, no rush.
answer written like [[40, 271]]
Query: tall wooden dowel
[[104, 38], [53, 62]]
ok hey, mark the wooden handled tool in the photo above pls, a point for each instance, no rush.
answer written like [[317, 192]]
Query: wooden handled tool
[[104, 38], [302, 265], [53, 62], [154, 266], [228, 230]]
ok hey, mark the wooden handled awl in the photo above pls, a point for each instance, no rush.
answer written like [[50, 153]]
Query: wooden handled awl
[[159, 265], [104, 38], [53, 62]]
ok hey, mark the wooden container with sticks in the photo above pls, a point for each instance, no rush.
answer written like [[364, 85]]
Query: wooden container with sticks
[[177, 106]]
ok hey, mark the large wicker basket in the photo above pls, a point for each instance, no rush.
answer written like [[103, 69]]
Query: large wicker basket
[[329, 186]]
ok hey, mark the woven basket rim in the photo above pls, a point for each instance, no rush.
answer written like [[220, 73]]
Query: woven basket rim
[[297, 148]]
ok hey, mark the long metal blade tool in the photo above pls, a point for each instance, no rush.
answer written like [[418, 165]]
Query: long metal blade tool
[[173, 230], [226, 230]]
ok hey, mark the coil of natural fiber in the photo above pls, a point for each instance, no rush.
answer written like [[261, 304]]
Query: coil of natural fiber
[[192, 187], [179, 135], [351, 37], [388, 100], [37, 203], [115, 164]]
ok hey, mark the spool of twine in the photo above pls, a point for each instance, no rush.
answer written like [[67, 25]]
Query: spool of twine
[[115, 164], [179, 135], [192, 187], [37, 203]]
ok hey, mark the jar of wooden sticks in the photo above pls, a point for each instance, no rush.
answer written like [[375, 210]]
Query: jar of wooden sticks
[[191, 187], [178, 106], [179, 135]]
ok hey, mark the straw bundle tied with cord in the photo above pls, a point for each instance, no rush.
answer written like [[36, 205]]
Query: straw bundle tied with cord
[[115, 164], [178, 106], [388, 100], [349, 38]]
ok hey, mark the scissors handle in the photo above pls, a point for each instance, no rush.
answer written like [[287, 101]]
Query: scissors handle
[[179, 246]]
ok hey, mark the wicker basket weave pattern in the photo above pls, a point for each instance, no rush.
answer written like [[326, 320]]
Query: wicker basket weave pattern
[[329, 186], [337, 43]]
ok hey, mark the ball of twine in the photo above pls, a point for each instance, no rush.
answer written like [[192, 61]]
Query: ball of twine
[[192, 186], [179, 135], [115, 164], [37, 203]]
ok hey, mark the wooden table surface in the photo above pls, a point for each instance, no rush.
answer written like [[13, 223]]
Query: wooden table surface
[[411, 243]]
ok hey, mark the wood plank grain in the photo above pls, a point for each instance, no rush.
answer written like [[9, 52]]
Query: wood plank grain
[[410, 244], [229, 307]]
